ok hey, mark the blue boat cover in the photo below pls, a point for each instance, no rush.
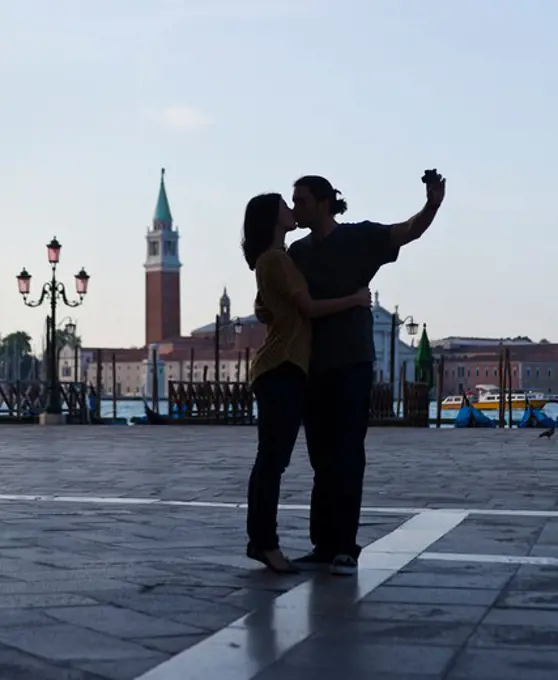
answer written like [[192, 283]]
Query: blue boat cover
[[535, 417], [469, 416]]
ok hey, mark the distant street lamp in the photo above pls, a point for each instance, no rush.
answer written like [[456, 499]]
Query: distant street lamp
[[55, 292], [237, 328], [412, 329], [70, 331]]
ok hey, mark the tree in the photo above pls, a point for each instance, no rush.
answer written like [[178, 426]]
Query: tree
[[16, 358], [18, 342]]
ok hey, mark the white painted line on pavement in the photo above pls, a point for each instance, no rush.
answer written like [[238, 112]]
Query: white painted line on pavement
[[513, 513], [249, 645], [126, 500], [491, 559], [287, 507]]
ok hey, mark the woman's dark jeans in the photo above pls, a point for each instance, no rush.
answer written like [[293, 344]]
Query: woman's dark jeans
[[280, 396]]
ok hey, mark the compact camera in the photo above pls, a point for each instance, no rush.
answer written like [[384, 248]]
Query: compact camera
[[430, 177]]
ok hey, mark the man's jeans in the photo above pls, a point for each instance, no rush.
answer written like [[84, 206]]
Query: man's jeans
[[336, 422]]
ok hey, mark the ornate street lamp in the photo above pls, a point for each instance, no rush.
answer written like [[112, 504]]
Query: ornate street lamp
[[412, 329], [237, 326], [55, 292], [411, 325]]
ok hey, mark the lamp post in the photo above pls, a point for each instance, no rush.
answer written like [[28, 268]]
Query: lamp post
[[217, 346], [412, 329], [55, 292], [70, 330], [70, 340], [237, 327]]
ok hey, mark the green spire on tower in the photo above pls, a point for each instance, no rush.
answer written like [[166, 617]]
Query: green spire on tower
[[162, 210], [424, 361]]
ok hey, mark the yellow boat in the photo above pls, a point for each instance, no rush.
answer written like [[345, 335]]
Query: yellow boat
[[488, 399]]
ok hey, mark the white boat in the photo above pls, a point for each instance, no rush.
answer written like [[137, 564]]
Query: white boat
[[487, 398]]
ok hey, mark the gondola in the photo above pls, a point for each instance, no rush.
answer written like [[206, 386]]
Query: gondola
[[107, 420], [154, 418], [22, 420], [535, 417], [469, 416]]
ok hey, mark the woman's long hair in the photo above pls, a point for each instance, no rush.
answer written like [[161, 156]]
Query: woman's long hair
[[260, 219]]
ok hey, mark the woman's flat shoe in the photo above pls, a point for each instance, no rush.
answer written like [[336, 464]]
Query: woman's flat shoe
[[260, 556]]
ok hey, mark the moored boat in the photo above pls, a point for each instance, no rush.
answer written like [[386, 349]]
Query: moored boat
[[487, 398]]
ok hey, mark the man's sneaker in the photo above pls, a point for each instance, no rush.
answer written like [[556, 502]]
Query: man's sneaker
[[312, 561], [344, 565]]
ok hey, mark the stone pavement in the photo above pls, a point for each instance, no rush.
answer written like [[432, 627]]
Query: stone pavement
[[121, 556]]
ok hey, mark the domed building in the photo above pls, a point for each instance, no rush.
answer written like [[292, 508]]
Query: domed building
[[251, 335]]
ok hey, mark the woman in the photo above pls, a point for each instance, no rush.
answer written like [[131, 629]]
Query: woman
[[280, 366]]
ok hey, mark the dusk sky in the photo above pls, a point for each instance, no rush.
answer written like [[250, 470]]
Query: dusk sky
[[236, 97]]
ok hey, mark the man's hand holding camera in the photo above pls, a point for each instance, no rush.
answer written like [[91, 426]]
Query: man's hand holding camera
[[413, 228], [435, 188]]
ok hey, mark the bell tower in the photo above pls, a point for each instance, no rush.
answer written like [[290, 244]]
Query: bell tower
[[225, 308], [162, 274]]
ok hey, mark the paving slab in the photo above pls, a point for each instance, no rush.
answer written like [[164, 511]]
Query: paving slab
[[60, 642], [122, 550], [493, 535], [17, 665], [504, 664], [367, 658]]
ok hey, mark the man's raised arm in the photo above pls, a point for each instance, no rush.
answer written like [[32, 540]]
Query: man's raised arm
[[413, 228]]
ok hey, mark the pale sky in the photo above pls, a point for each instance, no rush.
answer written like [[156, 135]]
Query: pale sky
[[235, 97]]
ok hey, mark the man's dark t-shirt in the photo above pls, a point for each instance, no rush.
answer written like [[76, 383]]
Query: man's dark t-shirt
[[338, 265]]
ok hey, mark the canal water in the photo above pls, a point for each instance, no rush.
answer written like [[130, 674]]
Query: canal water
[[129, 409]]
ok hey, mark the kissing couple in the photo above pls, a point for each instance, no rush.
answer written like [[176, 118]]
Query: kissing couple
[[315, 365]]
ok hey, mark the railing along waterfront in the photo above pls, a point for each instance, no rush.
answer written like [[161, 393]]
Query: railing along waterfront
[[234, 404], [24, 400]]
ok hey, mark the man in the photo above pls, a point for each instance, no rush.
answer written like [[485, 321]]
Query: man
[[336, 260]]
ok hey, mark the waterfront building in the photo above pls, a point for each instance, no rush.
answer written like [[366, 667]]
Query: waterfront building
[[534, 366]]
